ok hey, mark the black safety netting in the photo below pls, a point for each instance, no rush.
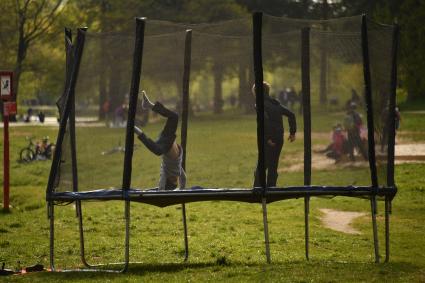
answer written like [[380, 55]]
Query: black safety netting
[[64, 174], [221, 149], [162, 81], [221, 131], [101, 106], [335, 72], [221, 90], [380, 39], [339, 120], [282, 72], [339, 132]]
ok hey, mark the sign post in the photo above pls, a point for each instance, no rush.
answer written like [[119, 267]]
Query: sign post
[[9, 108]]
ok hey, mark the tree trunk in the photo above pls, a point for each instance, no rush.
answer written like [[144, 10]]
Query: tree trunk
[[116, 98], [20, 57], [251, 98], [414, 86], [305, 5], [242, 85], [245, 96], [323, 73], [324, 60], [103, 96], [218, 91]]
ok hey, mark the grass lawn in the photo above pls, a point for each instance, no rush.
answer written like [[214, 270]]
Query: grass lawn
[[226, 238]]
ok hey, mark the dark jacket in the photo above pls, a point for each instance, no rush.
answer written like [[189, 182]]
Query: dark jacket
[[273, 112]]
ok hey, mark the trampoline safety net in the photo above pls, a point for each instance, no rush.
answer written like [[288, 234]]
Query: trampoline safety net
[[221, 150]]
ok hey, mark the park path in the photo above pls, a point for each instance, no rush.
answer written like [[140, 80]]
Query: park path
[[404, 152], [53, 122], [340, 220], [410, 152]]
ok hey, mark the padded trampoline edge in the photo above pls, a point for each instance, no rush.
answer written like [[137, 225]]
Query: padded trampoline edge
[[167, 198]]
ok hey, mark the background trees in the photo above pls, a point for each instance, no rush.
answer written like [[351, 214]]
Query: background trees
[[31, 31], [26, 22], [412, 17]]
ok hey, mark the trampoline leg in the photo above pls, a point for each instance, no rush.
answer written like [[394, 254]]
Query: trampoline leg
[[186, 241], [375, 228], [81, 229], [387, 229], [127, 236], [266, 230], [52, 235], [307, 231]]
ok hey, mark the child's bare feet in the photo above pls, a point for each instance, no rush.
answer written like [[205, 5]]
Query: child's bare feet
[[146, 103]]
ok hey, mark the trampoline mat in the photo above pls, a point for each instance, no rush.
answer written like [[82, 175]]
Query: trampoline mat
[[197, 194]]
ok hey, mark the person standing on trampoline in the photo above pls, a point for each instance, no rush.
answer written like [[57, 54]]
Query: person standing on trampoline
[[172, 153], [273, 131]]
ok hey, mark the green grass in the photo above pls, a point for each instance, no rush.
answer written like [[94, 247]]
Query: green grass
[[416, 105], [414, 122], [225, 238]]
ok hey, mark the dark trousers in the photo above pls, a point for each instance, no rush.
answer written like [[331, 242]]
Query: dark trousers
[[168, 134], [354, 141], [272, 154]]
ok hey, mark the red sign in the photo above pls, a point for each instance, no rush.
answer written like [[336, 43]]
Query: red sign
[[9, 108], [6, 80]]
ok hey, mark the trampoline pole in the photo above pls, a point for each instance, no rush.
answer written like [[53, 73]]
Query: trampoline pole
[[127, 236], [370, 126], [266, 230], [81, 230], [186, 241], [52, 235], [307, 231], [387, 229], [185, 114], [391, 140], [259, 98], [305, 78], [129, 138], [375, 228]]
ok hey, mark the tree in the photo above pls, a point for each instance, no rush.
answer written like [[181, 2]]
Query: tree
[[323, 90], [33, 19], [24, 24], [412, 21], [206, 11], [411, 17]]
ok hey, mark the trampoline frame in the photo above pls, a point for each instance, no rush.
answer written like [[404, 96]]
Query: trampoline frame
[[261, 194]]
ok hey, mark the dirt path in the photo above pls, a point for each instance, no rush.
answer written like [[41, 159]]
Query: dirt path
[[340, 220], [404, 153], [410, 152]]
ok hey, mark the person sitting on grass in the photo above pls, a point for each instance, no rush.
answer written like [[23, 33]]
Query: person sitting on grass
[[171, 171], [339, 146]]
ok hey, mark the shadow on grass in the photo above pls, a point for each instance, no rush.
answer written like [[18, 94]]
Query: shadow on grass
[[297, 269], [138, 269], [5, 212]]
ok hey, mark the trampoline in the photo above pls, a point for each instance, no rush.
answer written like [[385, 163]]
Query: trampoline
[[194, 68]]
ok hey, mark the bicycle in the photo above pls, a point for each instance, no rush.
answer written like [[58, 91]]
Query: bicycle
[[36, 151]]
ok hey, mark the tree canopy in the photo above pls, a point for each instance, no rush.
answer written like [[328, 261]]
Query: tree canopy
[[31, 31]]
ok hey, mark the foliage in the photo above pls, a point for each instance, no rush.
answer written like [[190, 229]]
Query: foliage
[[31, 40], [28, 46], [412, 49]]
